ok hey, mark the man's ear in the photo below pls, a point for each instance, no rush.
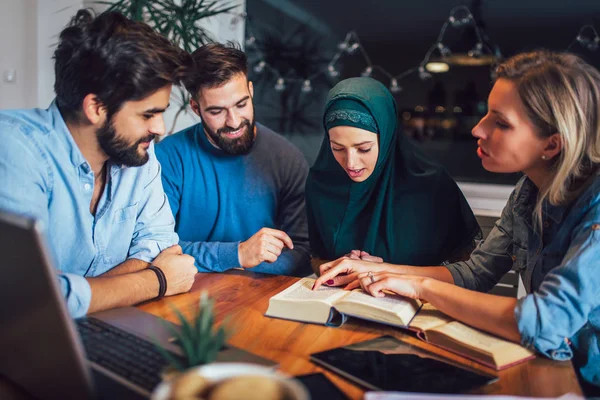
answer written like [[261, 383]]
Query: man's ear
[[195, 107], [93, 110], [251, 88], [553, 147]]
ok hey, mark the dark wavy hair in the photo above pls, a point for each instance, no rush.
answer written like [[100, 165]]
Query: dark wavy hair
[[214, 65], [116, 59]]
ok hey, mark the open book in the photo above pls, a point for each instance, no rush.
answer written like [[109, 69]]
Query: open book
[[438, 329], [331, 306]]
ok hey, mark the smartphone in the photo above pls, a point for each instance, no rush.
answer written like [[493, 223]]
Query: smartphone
[[321, 388]]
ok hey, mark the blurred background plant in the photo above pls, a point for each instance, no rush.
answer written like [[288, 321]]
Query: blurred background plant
[[289, 102], [178, 20]]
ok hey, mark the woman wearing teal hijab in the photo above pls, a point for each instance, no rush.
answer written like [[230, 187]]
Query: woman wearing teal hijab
[[370, 189]]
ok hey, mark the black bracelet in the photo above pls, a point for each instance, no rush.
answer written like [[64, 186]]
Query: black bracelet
[[162, 280]]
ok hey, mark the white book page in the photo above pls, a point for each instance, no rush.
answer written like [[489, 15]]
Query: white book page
[[478, 339], [418, 396], [302, 291], [390, 302]]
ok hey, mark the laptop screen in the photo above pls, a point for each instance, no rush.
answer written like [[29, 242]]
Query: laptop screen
[[40, 348]]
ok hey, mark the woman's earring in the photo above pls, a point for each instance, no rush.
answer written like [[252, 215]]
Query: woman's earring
[[544, 157]]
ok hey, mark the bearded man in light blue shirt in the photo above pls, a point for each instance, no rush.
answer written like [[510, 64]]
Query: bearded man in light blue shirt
[[85, 167]]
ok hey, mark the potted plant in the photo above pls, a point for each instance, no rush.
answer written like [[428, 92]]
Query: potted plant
[[194, 375], [197, 337], [199, 343]]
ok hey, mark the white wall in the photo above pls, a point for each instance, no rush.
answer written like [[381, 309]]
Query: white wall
[[28, 35], [52, 17], [18, 29]]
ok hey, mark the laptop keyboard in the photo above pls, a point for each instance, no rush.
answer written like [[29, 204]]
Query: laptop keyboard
[[122, 353]]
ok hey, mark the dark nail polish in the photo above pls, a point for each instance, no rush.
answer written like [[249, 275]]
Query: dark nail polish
[[330, 282]]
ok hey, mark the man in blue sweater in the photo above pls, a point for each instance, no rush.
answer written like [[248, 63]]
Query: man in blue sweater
[[236, 188]]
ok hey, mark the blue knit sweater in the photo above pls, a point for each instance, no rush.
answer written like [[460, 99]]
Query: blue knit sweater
[[219, 200]]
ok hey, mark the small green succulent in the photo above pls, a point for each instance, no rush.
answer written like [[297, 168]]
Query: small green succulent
[[197, 337]]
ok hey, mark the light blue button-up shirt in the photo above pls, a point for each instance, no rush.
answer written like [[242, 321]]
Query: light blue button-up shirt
[[560, 268], [43, 174]]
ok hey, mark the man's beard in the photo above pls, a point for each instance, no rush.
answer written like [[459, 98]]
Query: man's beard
[[237, 146], [119, 150]]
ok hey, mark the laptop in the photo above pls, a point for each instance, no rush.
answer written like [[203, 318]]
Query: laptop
[[110, 354]]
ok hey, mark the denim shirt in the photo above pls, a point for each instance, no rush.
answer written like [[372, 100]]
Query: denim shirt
[[560, 268], [44, 175]]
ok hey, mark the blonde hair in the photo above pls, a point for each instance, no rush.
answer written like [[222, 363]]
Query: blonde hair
[[561, 94]]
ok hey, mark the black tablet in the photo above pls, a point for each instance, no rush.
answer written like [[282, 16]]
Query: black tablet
[[389, 364]]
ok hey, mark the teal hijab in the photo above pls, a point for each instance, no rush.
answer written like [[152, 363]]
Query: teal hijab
[[409, 211]]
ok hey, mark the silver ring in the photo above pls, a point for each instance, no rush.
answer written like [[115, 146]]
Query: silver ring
[[370, 275]]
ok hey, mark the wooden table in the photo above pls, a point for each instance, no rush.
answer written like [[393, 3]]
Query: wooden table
[[243, 297]]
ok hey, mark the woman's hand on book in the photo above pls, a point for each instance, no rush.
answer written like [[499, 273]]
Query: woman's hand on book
[[377, 283], [363, 255], [345, 270]]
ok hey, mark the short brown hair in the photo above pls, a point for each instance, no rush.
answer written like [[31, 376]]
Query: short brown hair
[[214, 65]]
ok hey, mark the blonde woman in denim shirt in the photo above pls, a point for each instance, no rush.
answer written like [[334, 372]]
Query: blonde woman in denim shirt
[[543, 120]]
